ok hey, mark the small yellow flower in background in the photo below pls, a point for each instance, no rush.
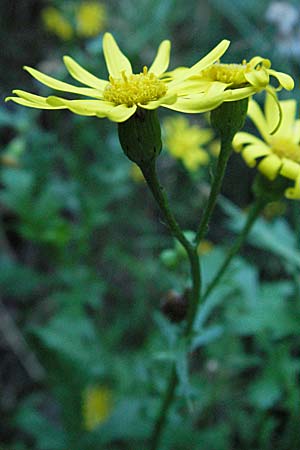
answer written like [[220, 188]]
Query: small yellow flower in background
[[136, 174], [90, 18], [278, 153], [55, 22], [185, 142], [96, 406], [205, 247], [242, 80], [118, 98]]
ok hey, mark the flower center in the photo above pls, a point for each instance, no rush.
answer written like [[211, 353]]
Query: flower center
[[285, 148], [233, 74], [134, 89]]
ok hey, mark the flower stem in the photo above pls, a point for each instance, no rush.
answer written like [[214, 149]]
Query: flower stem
[[227, 120], [224, 155], [254, 212], [163, 412], [150, 175]]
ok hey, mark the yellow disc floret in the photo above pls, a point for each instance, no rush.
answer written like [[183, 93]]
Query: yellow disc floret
[[284, 147], [134, 89]]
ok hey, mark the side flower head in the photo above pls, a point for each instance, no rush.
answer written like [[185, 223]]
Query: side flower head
[[276, 154], [119, 97], [241, 80]]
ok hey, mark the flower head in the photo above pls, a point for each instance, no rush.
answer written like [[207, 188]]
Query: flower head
[[90, 18], [275, 154], [119, 97], [242, 80], [185, 142]]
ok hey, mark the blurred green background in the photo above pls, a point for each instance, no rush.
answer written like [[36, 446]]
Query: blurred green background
[[86, 259]]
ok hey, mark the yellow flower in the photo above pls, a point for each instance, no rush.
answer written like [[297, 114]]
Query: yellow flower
[[90, 18], [119, 98], [96, 406], [242, 80], [185, 141], [278, 153], [55, 22]]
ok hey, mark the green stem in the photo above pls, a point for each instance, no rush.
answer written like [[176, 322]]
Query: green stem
[[150, 175], [172, 383], [149, 172], [215, 188], [163, 412], [254, 211]]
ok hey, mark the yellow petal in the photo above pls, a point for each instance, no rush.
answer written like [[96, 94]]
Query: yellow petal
[[270, 166], [197, 103], [37, 99], [213, 56], [288, 108], [166, 100], [240, 93], [271, 112], [60, 85], [82, 107], [290, 169], [197, 86], [176, 73], [257, 117], [243, 138], [285, 80], [162, 59], [294, 192], [116, 61], [258, 78], [259, 60], [29, 104], [121, 113], [254, 151], [82, 75]]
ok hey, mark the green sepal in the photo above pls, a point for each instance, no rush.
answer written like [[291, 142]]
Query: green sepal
[[229, 118], [140, 137]]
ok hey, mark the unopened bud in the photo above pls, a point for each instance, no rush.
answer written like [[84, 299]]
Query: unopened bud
[[140, 137]]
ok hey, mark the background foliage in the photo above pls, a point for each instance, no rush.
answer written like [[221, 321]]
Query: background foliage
[[84, 348]]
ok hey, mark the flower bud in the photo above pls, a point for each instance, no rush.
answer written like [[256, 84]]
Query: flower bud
[[140, 137]]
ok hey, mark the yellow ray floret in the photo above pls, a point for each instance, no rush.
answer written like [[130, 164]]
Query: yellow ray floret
[[278, 153], [119, 97]]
